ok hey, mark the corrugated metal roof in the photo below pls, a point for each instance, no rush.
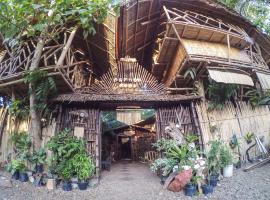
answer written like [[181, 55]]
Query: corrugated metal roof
[[264, 79], [230, 77]]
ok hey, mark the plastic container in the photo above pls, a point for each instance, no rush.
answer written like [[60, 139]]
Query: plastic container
[[190, 190], [228, 171], [207, 189]]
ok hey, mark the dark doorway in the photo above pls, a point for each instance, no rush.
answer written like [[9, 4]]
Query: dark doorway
[[125, 148], [127, 134]]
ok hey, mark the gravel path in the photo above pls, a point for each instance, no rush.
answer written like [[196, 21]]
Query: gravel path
[[134, 181]]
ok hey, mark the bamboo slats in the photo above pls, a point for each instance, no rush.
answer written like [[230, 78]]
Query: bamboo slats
[[91, 123], [9, 125], [232, 120], [128, 78], [180, 115]]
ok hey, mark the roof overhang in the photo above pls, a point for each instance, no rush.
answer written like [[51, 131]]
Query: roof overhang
[[230, 76], [110, 101], [264, 79]]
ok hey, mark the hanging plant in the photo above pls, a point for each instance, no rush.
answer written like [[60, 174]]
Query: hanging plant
[[219, 94]]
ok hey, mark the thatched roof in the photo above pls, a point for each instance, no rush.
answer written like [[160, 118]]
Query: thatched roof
[[140, 20], [133, 33]]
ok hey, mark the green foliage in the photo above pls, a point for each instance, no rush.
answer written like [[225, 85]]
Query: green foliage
[[190, 138], [147, 113], [39, 157], [163, 166], [66, 170], [65, 146], [44, 87], [257, 11], [219, 93], [185, 155], [194, 179], [19, 109], [213, 157], [226, 157], [84, 166], [16, 165], [164, 145], [174, 155], [69, 156], [258, 97], [249, 136], [22, 144], [31, 17]]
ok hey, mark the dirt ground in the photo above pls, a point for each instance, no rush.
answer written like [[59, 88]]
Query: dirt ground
[[134, 181]]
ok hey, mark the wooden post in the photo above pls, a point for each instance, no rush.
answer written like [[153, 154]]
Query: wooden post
[[197, 126], [229, 47]]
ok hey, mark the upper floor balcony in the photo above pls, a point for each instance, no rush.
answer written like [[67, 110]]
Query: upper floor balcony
[[192, 40]]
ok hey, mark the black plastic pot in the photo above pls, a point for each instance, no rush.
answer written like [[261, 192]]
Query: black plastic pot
[[16, 175], [67, 186], [214, 180], [190, 190], [163, 179], [39, 168], [82, 185], [249, 141], [23, 177], [207, 189]]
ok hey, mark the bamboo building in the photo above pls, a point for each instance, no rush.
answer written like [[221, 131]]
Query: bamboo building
[[138, 60]]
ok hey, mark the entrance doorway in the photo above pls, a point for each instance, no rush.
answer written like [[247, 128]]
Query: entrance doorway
[[127, 134]]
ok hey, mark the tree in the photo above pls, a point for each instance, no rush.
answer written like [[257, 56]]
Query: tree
[[257, 11], [38, 19]]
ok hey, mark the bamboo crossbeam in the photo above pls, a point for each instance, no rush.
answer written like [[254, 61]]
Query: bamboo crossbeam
[[179, 89], [66, 48]]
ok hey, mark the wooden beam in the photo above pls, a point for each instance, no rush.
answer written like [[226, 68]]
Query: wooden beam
[[229, 47], [179, 89], [66, 48], [2, 85]]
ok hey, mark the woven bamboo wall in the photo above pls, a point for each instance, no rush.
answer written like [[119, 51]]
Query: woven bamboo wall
[[6, 149], [8, 127], [234, 120]]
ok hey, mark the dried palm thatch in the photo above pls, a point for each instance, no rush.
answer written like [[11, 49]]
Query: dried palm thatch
[[128, 78]]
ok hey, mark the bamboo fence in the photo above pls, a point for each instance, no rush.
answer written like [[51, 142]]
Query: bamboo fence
[[231, 120]]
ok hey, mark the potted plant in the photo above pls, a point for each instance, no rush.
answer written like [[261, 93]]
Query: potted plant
[[191, 188], [226, 161], [13, 167], [163, 167], [207, 189], [213, 161], [38, 159], [23, 176], [84, 168], [66, 173], [249, 137]]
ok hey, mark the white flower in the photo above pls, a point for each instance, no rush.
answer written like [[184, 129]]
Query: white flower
[[186, 167], [197, 166], [192, 145], [50, 13], [175, 168], [202, 162]]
